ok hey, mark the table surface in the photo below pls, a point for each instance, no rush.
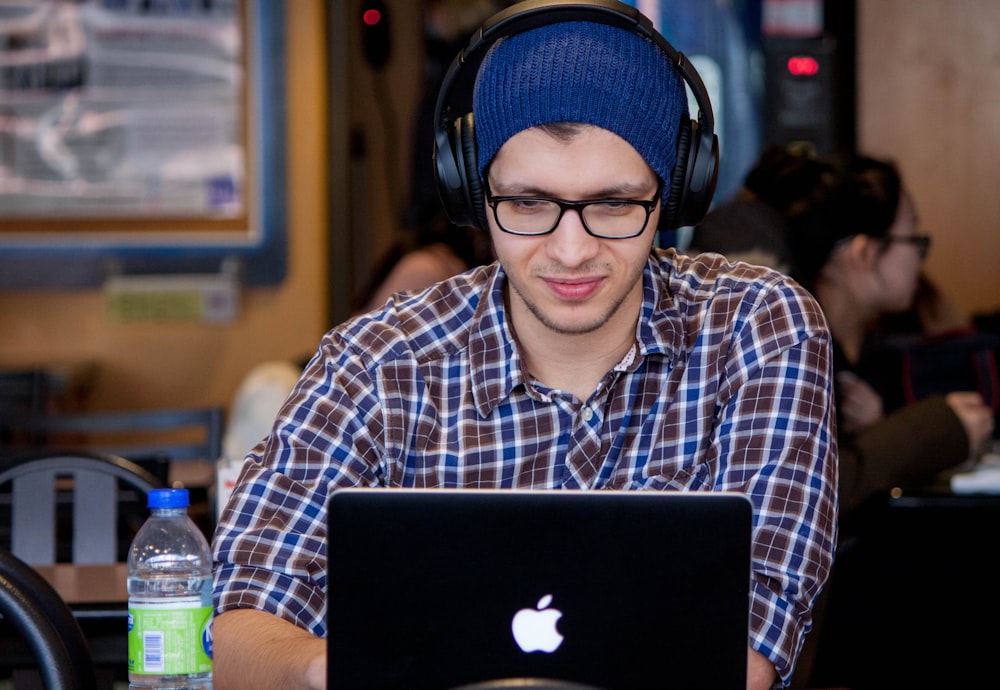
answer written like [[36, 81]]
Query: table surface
[[88, 584]]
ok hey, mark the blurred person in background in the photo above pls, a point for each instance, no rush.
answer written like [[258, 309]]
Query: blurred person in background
[[847, 229], [425, 255]]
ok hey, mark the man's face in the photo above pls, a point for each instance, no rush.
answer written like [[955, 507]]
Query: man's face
[[569, 281]]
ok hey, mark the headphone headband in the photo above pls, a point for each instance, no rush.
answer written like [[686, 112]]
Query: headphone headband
[[696, 168]]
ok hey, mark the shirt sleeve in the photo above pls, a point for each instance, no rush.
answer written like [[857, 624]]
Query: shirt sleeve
[[270, 544], [776, 437]]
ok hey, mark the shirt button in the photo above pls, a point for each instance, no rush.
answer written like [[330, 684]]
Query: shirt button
[[588, 414]]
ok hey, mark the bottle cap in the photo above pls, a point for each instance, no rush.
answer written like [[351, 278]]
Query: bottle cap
[[167, 498]]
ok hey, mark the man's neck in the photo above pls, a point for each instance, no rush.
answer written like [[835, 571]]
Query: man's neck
[[573, 362]]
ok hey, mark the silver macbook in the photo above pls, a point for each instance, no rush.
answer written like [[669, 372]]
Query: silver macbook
[[445, 588]]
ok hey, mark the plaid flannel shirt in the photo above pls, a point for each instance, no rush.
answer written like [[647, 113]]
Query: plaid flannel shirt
[[728, 387]]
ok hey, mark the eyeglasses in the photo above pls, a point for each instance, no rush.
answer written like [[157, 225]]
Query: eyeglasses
[[921, 242], [611, 219]]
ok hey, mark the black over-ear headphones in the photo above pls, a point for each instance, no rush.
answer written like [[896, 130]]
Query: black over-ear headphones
[[694, 176]]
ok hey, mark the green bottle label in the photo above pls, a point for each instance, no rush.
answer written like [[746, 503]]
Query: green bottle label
[[169, 636]]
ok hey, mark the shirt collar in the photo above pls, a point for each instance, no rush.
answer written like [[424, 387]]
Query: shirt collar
[[660, 330], [494, 360]]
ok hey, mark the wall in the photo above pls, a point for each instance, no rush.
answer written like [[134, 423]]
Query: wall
[[154, 365], [928, 81]]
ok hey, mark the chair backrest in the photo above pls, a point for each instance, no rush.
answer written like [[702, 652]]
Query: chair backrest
[[178, 434], [96, 484], [43, 620], [23, 391]]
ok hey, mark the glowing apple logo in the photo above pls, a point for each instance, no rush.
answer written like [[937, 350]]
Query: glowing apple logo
[[535, 629]]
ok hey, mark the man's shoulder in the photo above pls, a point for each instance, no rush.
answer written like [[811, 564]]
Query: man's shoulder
[[431, 324], [709, 273], [711, 288]]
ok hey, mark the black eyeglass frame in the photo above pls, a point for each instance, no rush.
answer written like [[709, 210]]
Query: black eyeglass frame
[[921, 242], [648, 205]]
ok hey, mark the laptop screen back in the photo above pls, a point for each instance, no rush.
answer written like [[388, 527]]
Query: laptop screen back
[[442, 588]]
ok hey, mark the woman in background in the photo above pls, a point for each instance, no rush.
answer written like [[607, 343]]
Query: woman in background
[[852, 236]]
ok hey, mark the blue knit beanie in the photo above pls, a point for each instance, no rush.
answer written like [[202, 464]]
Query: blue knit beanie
[[583, 72]]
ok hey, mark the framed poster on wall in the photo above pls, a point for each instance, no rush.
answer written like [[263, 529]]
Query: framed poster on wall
[[141, 137]]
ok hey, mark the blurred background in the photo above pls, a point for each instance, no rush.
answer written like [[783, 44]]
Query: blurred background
[[331, 164]]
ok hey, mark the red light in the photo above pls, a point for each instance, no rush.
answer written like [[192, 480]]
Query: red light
[[803, 66], [371, 17]]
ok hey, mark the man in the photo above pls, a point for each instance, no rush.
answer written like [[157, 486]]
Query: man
[[582, 359]]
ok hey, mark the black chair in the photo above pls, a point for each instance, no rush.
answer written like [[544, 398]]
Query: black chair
[[177, 445], [44, 622], [91, 489], [174, 434], [22, 392]]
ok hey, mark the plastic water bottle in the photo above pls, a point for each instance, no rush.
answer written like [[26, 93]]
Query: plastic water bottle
[[169, 599]]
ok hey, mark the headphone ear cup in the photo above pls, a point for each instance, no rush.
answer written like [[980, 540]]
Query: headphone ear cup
[[447, 173], [469, 161], [676, 197], [458, 175], [693, 179]]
